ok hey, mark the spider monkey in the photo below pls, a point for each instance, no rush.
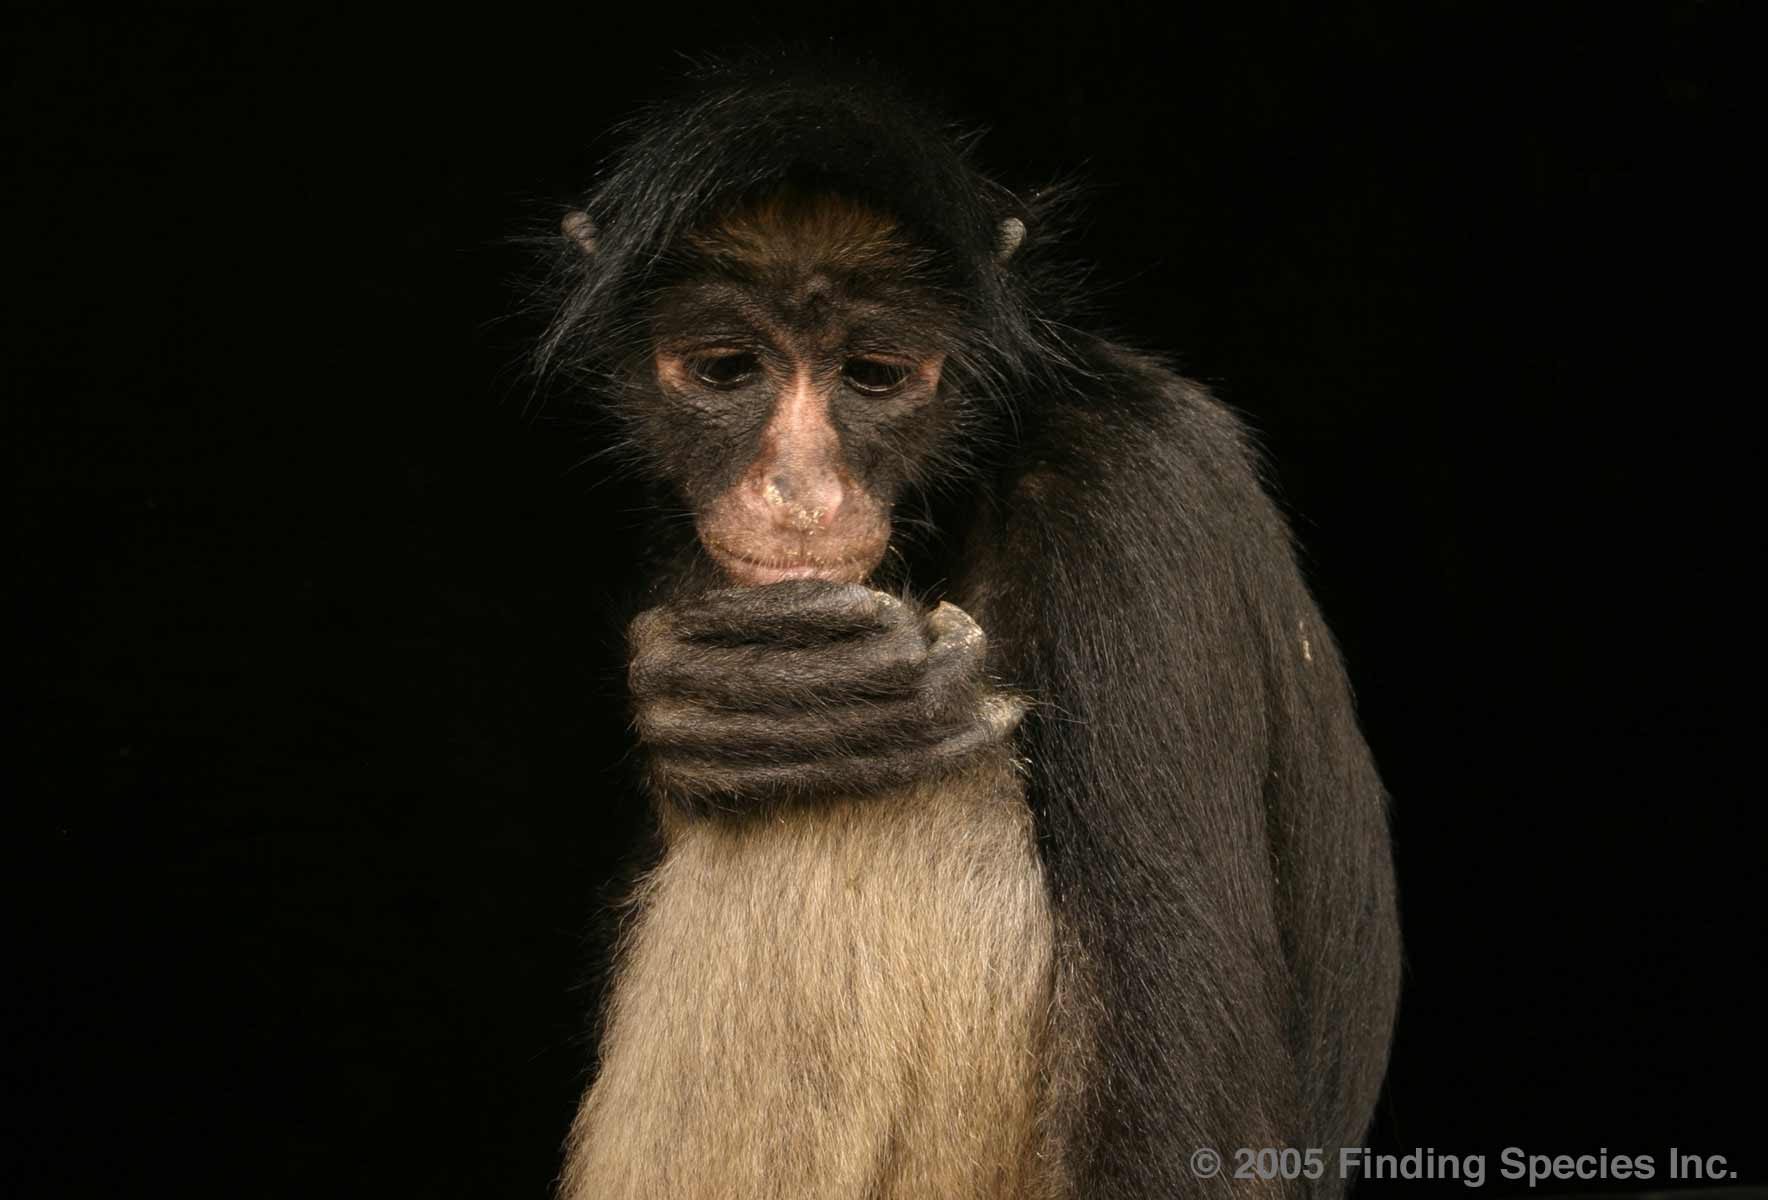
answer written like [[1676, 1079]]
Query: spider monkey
[[1017, 838]]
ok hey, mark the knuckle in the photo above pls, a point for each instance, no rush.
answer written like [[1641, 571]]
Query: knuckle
[[641, 680], [662, 721], [905, 642], [887, 607], [672, 778], [646, 628], [647, 673]]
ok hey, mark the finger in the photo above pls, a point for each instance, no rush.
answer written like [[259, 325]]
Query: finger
[[765, 678], [716, 784], [954, 660], [689, 729], [797, 612]]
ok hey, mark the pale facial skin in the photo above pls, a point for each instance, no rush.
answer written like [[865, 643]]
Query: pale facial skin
[[798, 511]]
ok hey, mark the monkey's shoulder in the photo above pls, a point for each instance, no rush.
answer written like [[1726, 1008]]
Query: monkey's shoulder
[[1130, 429]]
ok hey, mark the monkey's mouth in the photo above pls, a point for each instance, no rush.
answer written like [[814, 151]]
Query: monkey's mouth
[[753, 570]]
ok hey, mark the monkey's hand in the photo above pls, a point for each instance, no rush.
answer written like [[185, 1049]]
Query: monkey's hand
[[805, 688]]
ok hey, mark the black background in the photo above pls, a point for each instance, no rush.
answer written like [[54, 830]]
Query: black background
[[319, 778]]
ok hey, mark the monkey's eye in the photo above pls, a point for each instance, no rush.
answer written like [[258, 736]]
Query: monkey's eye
[[723, 371], [873, 376]]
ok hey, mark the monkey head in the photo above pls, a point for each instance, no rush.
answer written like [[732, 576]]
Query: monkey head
[[814, 322], [793, 386]]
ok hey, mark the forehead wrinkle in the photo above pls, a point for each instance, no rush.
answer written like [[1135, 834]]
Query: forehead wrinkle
[[785, 306], [802, 310], [722, 308], [714, 304], [813, 265]]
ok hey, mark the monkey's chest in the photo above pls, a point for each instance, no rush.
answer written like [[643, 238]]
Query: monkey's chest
[[845, 1001]]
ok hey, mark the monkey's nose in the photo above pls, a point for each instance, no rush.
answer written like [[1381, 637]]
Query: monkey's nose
[[802, 503]]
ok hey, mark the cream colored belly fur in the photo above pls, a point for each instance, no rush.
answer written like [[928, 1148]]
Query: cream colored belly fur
[[852, 999]]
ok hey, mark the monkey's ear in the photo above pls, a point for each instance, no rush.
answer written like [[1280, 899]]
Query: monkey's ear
[[1007, 239], [579, 228]]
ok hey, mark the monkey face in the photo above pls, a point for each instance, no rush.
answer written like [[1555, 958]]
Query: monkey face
[[799, 509], [796, 380]]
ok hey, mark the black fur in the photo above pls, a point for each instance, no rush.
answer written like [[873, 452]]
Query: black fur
[[772, 120], [1214, 829]]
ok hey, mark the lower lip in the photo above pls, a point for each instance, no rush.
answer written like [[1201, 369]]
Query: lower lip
[[753, 574]]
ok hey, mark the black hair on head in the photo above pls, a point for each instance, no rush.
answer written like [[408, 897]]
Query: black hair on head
[[742, 126]]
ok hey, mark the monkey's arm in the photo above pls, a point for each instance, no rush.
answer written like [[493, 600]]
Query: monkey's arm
[[804, 689], [1213, 825]]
